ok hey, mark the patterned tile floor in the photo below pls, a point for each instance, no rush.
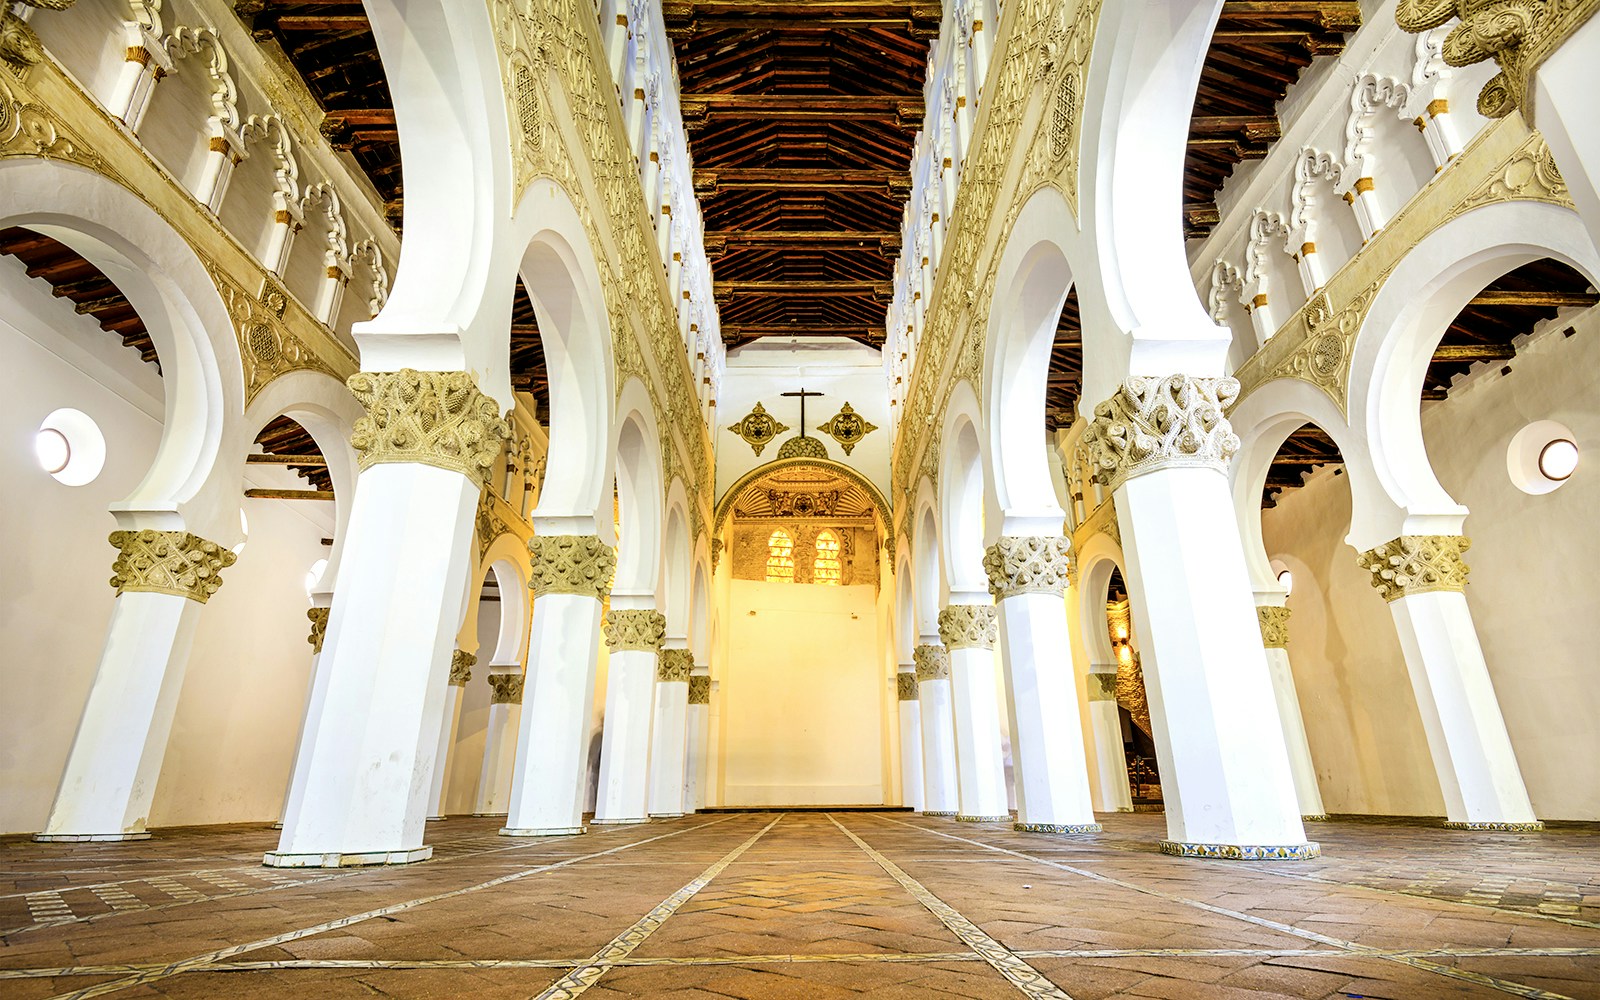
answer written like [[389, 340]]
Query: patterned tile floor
[[812, 906]]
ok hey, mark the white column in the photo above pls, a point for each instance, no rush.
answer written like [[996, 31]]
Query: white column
[[1422, 578], [1274, 622], [940, 795], [910, 737], [968, 633], [1162, 444], [461, 663], [224, 151], [1105, 723], [634, 637], [315, 690], [499, 743], [146, 62], [699, 726], [1027, 576], [571, 575], [394, 619], [162, 579], [670, 735]]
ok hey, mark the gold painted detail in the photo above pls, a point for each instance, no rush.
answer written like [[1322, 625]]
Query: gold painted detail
[[571, 564], [433, 418], [1101, 521], [505, 689], [1027, 564], [634, 629], [1066, 828], [847, 427], [319, 628], [266, 347], [933, 663], [758, 428], [461, 664], [803, 446], [1243, 852], [674, 665], [1417, 564], [488, 523], [1101, 686], [968, 626], [168, 562], [1274, 623], [699, 689], [905, 686], [19, 46], [1160, 423], [1537, 826]]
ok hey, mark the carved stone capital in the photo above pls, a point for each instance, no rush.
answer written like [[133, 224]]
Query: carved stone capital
[[933, 663], [1101, 687], [1417, 564], [699, 689], [1274, 623], [505, 689], [968, 626], [905, 685], [674, 665], [319, 628], [432, 418], [634, 629], [571, 564], [1160, 423], [1027, 564], [461, 663], [168, 562]]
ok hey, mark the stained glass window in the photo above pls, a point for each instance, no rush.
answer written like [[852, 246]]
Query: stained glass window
[[780, 557], [826, 567]]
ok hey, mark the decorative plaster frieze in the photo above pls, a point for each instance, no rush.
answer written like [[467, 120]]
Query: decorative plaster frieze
[[461, 664], [1274, 623], [19, 46], [505, 689], [905, 686], [699, 689], [571, 564], [968, 626], [1027, 564], [168, 562], [674, 666], [432, 418], [1417, 564], [267, 348], [1148, 424], [634, 629], [933, 663], [319, 628]]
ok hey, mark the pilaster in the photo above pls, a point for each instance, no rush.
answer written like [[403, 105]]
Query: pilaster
[[941, 795], [969, 632], [634, 637]]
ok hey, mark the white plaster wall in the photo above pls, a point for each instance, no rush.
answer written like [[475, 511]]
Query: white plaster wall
[[1532, 595]]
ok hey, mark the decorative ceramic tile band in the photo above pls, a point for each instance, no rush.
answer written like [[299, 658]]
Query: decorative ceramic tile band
[[938, 812], [1535, 827], [1057, 827], [1315, 818], [1244, 852], [983, 819]]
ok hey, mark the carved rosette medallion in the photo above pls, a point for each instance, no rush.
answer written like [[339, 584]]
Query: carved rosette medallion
[[505, 689], [461, 664], [1274, 626], [432, 418], [699, 689], [1160, 423], [847, 427], [674, 666], [168, 562], [933, 663], [758, 428], [1417, 564], [319, 628], [1027, 564], [641, 630], [905, 685], [571, 564], [968, 626]]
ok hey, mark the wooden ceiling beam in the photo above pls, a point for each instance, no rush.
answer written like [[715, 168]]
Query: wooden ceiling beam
[[307, 460], [1474, 352], [1542, 298], [874, 289]]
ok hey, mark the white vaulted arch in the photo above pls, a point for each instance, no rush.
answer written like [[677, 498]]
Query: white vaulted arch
[[961, 501], [639, 495]]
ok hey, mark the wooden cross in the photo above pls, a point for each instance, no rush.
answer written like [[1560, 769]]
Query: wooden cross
[[802, 394]]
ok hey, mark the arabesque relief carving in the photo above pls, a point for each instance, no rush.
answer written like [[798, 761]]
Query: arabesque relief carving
[[905, 686], [1417, 564], [168, 562], [433, 418], [699, 689], [1027, 564], [1274, 621], [933, 662], [1159, 423], [461, 664], [634, 629], [968, 626], [319, 628], [505, 689], [571, 564], [674, 666]]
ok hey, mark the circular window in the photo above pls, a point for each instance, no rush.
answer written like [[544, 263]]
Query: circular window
[[70, 447], [1542, 456]]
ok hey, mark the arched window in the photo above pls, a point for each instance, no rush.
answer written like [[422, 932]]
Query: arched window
[[826, 567], [780, 557]]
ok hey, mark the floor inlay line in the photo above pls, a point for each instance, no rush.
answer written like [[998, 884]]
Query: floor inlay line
[[579, 979], [205, 960], [1505, 986], [1023, 976]]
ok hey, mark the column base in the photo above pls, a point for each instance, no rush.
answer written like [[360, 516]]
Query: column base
[[983, 819], [1244, 852], [1058, 827], [666, 815], [1536, 826], [437, 819], [940, 813], [277, 859], [490, 815], [88, 838], [1124, 809], [597, 821], [542, 831], [1315, 818]]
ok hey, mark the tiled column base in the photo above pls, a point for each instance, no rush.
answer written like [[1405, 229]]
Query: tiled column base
[[1534, 827], [1316, 818], [1057, 827], [619, 822], [947, 814], [983, 819], [275, 859], [87, 838], [666, 815], [1244, 852], [542, 831], [499, 815]]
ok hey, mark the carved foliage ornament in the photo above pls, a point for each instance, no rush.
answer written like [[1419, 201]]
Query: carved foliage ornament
[[1158, 423], [266, 347], [905, 685], [699, 690], [758, 428], [1274, 623], [968, 626], [640, 630], [571, 564], [19, 46], [435, 418], [505, 689], [168, 562], [319, 628], [674, 665], [847, 427], [461, 664], [1417, 564], [1027, 564], [933, 663]]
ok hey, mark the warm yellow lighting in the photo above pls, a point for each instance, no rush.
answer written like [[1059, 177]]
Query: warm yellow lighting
[[780, 557]]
